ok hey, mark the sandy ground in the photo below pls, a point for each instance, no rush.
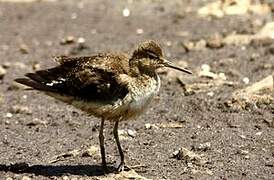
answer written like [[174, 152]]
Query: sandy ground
[[213, 134]]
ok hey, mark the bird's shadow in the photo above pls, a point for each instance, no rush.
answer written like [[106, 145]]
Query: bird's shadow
[[56, 170]]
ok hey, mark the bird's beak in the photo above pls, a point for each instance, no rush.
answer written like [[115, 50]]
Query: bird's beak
[[169, 64]]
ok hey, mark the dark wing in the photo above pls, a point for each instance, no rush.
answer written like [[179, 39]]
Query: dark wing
[[86, 78]]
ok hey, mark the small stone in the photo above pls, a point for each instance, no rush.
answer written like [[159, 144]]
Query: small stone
[[205, 67], [9, 178], [36, 122], [36, 66], [2, 72], [68, 40], [9, 115], [18, 109], [81, 40], [6, 65], [246, 80], [222, 76], [244, 152], [259, 133], [65, 178], [215, 42], [26, 178], [24, 49], [204, 146], [148, 126], [139, 31], [131, 133], [168, 43], [242, 136], [126, 12]]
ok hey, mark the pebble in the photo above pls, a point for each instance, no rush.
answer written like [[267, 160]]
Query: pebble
[[24, 49], [18, 109], [65, 178], [139, 31], [26, 178], [9, 115], [246, 80], [6, 65], [131, 133], [126, 12], [215, 42], [3, 72], [81, 40], [68, 40], [259, 133], [36, 66]]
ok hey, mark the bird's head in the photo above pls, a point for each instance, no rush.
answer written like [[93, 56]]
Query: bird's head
[[149, 56]]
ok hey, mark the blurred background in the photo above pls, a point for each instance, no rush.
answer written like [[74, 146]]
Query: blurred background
[[216, 124]]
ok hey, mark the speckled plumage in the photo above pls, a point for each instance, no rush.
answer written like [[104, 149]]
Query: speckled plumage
[[110, 86]]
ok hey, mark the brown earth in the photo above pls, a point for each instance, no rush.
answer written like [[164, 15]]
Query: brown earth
[[230, 143]]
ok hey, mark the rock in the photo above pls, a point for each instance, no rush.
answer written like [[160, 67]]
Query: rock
[[6, 65], [3, 72], [253, 94], [67, 40], [233, 7], [36, 66], [36, 122], [26, 178], [65, 178], [238, 39], [9, 115], [126, 12], [139, 31], [131, 133], [267, 31], [215, 42], [81, 40], [18, 109], [205, 72], [246, 80], [24, 49]]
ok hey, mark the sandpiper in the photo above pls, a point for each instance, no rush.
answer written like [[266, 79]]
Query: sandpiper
[[114, 87]]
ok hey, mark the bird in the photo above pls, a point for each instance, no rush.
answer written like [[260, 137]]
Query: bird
[[111, 86]]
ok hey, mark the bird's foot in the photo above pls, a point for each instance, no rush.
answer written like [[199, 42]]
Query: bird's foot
[[121, 167]]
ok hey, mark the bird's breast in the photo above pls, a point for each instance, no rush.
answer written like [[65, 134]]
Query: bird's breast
[[142, 94]]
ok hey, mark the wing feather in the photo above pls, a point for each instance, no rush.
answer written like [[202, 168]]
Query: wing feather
[[85, 78]]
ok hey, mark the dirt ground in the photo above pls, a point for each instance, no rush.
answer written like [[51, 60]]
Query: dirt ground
[[195, 129]]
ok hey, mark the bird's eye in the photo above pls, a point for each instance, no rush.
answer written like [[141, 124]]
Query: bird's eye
[[152, 55]]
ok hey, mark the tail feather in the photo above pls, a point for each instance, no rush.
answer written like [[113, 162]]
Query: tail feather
[[35, 77], [34, 84]]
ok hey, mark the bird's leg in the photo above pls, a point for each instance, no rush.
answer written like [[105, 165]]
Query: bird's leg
[[115, 132], [102, 146]]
